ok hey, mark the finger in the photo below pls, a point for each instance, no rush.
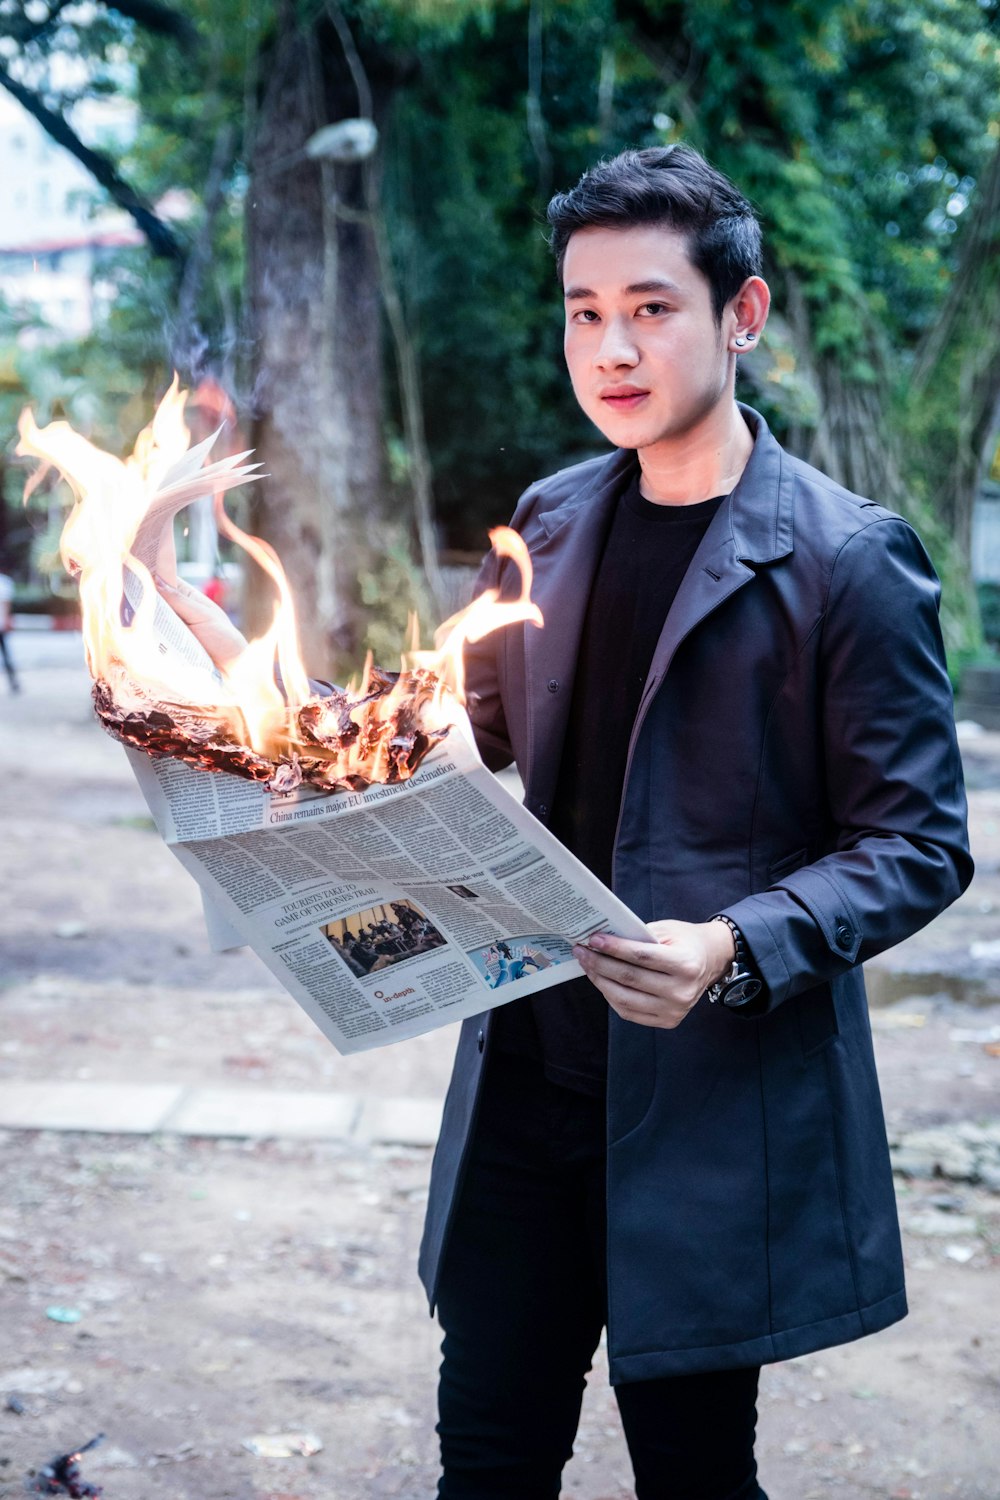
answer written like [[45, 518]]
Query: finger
[[640, 1009], [650, 955], [629, 976]]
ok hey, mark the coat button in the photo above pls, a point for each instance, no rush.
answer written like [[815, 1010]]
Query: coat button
[[845, 937], [543, 811], [553, 685], [481, 1040]]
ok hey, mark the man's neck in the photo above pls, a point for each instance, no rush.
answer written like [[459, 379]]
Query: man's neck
[[702, 463]]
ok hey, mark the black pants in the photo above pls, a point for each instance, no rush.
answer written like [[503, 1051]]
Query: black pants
[[522, 1301]]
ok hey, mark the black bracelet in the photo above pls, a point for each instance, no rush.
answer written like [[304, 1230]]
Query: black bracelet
[[741, 947]]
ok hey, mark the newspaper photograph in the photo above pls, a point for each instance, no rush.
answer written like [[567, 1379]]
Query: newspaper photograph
[[387, 912]]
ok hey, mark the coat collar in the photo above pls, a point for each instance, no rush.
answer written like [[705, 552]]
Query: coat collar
[[759, 514], [754, 527], [760, 508]]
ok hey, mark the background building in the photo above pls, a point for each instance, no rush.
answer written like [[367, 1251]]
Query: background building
[[54, 230]]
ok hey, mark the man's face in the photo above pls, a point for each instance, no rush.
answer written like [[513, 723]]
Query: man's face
[[646, 357]]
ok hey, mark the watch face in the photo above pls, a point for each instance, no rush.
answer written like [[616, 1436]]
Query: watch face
[[742, 990]]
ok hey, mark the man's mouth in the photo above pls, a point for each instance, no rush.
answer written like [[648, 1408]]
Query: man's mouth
[[623, 397]]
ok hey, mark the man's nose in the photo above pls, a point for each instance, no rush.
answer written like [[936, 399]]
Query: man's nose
[[617, 347]]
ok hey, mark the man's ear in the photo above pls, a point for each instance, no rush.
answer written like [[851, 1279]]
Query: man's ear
[[746, 314]]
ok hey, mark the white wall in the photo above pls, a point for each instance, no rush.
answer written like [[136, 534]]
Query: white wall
[[986, 535]]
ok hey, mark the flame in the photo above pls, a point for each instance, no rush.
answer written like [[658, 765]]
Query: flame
[[120, 531], [96, 543]]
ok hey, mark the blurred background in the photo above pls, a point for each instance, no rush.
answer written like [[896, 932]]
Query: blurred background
[[328, 216]]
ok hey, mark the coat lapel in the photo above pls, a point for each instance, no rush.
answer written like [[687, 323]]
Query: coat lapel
[[565, 560], [752, 528]]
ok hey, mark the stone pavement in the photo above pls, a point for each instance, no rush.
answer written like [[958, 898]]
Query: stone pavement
[[245, 1114]]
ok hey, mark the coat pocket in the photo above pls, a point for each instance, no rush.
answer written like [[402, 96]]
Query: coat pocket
[[817, 1019], [786, 864]]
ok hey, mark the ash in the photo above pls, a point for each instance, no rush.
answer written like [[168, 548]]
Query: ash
[[338, 742]]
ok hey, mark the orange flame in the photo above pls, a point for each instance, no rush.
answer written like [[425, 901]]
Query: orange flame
[[119, 532]]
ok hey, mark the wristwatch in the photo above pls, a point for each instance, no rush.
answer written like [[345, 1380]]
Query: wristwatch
[[740, 984]]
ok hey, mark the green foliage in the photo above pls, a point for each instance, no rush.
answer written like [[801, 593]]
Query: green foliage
[[858, 127], [393, 589]]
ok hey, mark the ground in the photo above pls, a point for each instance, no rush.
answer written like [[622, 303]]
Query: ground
[[263, 1282]]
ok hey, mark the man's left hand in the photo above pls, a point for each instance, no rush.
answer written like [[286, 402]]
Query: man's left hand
[[656, 984]]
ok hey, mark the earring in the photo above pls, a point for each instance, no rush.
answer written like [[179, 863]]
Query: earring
[[740, 343]]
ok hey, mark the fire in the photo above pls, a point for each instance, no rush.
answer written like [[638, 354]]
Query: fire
[[155, 684]]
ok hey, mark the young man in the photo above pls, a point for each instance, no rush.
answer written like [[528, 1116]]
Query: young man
[[738, 715]]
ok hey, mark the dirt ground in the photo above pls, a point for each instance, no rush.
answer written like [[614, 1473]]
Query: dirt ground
[[229, 1288]]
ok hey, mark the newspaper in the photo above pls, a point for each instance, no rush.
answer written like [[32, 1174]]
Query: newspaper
[[389, 912], [385, 913]]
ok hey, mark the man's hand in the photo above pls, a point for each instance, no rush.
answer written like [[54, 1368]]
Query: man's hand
[[209, 624], [656, 984]]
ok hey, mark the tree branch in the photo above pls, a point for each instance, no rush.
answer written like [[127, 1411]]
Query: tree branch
[[24, 31], [201, 251], [162, 240], [154, 16], [972, 305], [533, 100]]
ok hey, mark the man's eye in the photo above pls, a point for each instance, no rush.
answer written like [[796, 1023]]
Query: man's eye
[[651, 309], [585, 315]]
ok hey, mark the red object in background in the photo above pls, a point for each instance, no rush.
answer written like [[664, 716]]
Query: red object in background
[[215, 589]]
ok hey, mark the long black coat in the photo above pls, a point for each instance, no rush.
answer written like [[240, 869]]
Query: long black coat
[[793, 764]]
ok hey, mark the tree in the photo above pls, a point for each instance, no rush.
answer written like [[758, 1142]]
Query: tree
[[862, 130], [307, 331], [35, 37]]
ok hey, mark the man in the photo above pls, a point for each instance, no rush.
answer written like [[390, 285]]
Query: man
[[738, 715]]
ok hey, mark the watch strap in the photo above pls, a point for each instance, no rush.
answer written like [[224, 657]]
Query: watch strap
[[741, 976]]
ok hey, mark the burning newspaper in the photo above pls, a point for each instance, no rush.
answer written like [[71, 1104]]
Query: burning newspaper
[[355, 841], [390, 911]]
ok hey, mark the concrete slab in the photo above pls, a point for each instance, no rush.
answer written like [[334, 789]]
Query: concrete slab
[[148, 1109], [404, 1122], [254, 1113], [112, 1108]]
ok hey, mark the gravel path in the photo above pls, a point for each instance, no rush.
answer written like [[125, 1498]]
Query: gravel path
[[232, 1285]]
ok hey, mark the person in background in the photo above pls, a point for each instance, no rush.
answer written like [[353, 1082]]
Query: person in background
[[6, 620]]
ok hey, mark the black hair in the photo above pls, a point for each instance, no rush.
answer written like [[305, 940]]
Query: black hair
[[674, 186]]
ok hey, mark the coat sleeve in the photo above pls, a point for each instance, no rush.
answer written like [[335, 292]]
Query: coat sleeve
[[893, 775], [484, 702]]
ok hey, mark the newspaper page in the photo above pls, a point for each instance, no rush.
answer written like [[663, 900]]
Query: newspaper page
[[389, 912]]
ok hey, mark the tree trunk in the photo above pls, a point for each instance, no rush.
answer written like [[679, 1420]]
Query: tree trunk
[[854, 440], [861, 442], [955, 389], [314, 304]]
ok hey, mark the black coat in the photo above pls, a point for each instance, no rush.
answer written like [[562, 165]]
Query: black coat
[[793, 764]]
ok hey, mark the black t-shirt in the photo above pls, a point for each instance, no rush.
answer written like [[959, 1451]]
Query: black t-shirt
[[647, 551]]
